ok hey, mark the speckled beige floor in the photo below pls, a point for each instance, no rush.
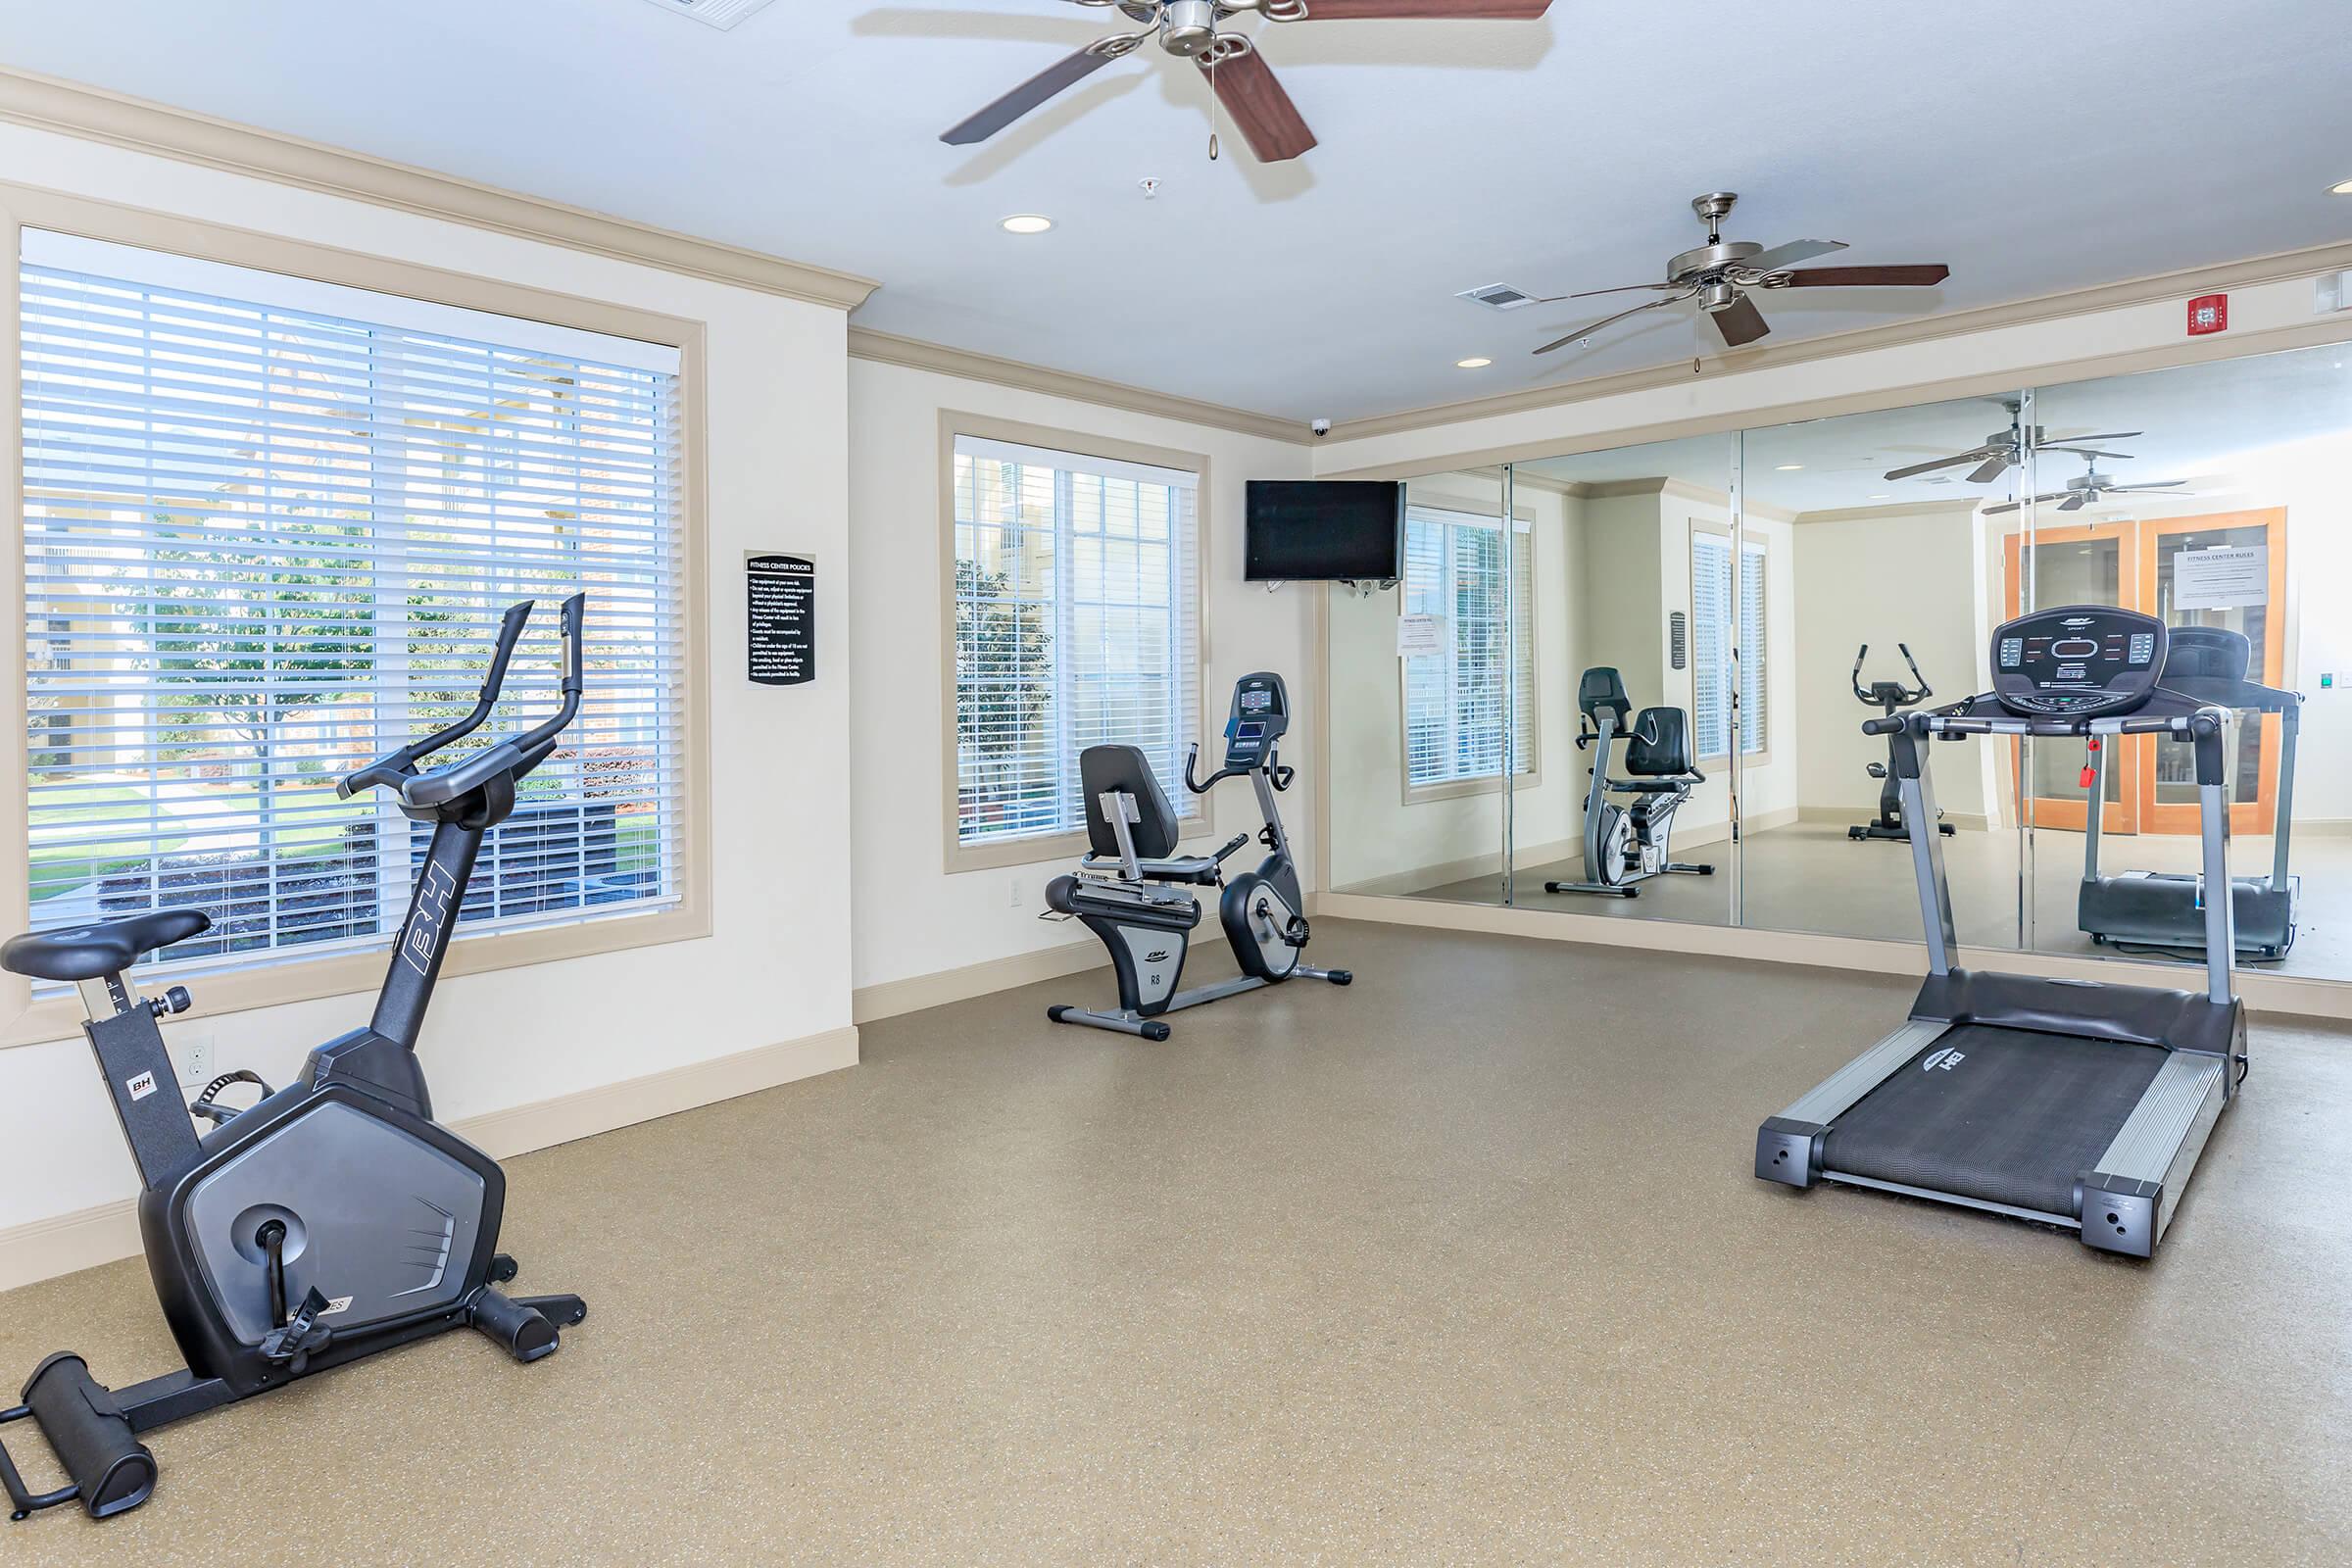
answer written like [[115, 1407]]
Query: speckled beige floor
[[1462, 1265]]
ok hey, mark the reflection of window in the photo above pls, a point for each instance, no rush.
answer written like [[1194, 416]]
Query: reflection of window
[[1454, 699], [269, 530], [1712, 659], [1077, 622]]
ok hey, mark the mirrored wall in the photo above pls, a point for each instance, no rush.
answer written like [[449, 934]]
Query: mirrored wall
[[1708, 622]]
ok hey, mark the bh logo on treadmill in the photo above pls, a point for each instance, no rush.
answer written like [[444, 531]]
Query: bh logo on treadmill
[[1943, 1060]]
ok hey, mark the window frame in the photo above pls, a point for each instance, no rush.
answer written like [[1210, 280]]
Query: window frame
[[1761, 543], [279, 977], [1523, 522], [1040, 847]]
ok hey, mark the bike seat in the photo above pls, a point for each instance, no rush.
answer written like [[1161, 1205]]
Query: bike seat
[[87, 952]]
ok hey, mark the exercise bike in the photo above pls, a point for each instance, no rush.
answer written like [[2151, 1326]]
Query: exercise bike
[[1890, 696], [1133, 892], [1628, 844], [330, 1219]]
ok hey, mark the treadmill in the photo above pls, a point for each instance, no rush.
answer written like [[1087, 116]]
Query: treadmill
[[2159, 911], [2074, 1103]]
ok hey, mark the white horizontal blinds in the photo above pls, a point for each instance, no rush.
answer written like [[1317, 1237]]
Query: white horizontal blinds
[[1077, 623], [265, 544], [1710, 643], [1454, 702], [1753, 647]]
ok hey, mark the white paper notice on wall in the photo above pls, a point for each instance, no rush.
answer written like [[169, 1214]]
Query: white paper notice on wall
[[2224, 577], [1419, 636]]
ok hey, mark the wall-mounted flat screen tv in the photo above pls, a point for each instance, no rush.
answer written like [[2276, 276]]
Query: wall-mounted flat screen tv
[[1310, 530]]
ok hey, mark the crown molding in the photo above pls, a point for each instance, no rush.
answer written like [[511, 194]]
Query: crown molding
[[2183, 284], [93, 113], [913, 354]]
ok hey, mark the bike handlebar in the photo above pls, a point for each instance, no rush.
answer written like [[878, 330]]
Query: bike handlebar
[[398, 770], [1920, 694]]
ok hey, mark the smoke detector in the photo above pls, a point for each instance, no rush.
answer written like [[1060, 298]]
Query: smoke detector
[[719, 14], [1498, 296]]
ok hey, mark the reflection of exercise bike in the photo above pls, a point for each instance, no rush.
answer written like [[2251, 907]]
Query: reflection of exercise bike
[[1893, 696], [1628, 844], [1131, 889], [333, 1219]]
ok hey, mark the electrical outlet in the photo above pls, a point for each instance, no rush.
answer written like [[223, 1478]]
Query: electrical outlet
[[1013, 894], [196, 1061]]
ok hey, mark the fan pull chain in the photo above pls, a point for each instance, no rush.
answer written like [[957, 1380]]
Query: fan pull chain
[[1216, 104]]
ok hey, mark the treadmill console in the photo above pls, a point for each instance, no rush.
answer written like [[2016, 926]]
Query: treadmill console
[[1260, 715], [2077, 661]]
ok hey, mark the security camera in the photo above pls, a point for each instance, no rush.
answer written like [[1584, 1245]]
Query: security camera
[[1322, 427]]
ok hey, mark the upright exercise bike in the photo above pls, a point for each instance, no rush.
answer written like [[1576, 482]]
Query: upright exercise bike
[[1892, 696], [1133, 889], [1629, 844], [334, 1217]]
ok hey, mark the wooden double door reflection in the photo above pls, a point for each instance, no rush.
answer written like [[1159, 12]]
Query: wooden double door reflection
[[2151, 784]]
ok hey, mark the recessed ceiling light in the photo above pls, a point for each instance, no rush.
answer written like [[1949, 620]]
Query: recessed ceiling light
[[1026, 223], [2342, 188], [1884, 495], [1473, 363], [1789, 467]]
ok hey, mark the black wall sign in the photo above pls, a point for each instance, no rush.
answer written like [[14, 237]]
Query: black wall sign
[[782, 594]]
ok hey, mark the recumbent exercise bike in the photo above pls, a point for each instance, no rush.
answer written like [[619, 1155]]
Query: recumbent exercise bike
[[1628, 844], [333, 1219], [1133, 889]]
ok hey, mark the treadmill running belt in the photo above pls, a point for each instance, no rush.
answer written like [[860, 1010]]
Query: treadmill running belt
[[2001, 1115]]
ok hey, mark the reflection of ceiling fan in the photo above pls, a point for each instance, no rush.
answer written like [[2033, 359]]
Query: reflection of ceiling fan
[[1718, 273], [1241, 81], [2004, 450], [2080, 492]]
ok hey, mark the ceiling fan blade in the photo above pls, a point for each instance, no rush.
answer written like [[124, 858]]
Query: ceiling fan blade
[[1918, 468], [1625, 289], [2090, 440], [1591, 327], [2012, 506], [1488, 10], [1796, 250], [1991, 468], [1927, 276], [1740, 323], [1054, 78], [2152, 484], [2073, 503], [1269, 122], [2084, 452]]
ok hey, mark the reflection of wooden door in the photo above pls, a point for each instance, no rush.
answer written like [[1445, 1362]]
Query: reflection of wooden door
[[2168, 789], [2095, 564], [2130, 564]]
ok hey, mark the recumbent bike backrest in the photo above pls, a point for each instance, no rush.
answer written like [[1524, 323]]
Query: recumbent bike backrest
[[1125, 769], [1658, 741]]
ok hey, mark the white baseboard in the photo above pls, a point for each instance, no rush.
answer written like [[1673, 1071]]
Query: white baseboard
[[1965, 822], [64, 1244], [1401, 883], [890, 998]]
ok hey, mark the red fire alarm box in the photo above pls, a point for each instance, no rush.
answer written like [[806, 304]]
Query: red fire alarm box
[[2208, 312]]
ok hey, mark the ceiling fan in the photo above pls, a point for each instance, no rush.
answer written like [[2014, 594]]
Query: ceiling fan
[[2004, 450], [2091, 486], [1720, 274], [1243, 83]]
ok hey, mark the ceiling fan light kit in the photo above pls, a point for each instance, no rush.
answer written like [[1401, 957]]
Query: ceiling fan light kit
[[1242, 83]]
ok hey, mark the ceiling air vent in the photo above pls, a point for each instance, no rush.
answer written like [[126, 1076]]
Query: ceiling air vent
[[1498, 296], [720, 14]]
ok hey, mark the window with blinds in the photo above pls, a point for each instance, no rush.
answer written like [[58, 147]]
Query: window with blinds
[[270, 528], [1077, 623], [1455, 701], [1714, 599]]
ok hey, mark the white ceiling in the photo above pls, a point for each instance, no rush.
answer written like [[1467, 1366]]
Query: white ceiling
[[2035, 147], [2195, 422]]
